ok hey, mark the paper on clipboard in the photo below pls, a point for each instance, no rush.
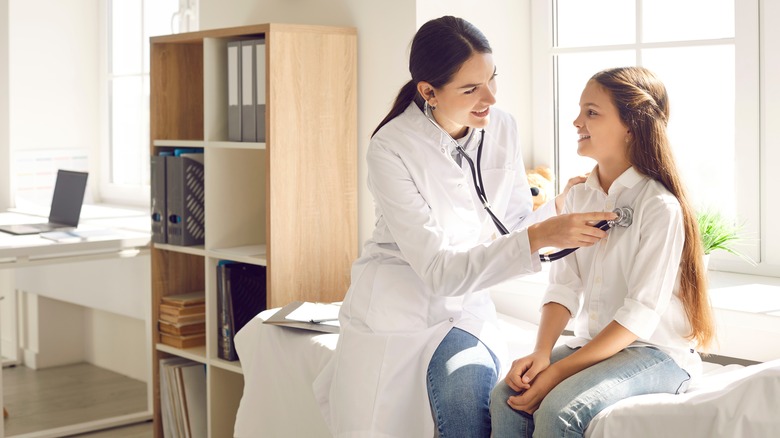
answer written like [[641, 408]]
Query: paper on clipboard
[[320, 317]]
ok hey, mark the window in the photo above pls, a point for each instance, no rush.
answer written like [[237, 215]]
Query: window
[[710, 67], [125, 152]]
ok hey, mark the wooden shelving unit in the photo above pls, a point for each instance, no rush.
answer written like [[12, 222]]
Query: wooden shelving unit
[[289, 204]]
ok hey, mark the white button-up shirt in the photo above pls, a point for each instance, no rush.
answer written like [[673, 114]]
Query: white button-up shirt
[[632, 276]]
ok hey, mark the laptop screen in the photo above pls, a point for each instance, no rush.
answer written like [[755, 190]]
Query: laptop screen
[[68, 197]]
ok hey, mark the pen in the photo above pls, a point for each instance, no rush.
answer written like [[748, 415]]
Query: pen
[[317, 321]]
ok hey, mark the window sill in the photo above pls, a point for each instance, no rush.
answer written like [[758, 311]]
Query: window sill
[[747, 310]]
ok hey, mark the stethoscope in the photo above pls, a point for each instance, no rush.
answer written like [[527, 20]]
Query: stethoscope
[[625, 215], [476, 170]]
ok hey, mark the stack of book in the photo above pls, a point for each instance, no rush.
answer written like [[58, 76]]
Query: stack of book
[[182, 321]]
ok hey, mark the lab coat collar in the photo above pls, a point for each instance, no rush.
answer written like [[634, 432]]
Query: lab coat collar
[[439, 139]]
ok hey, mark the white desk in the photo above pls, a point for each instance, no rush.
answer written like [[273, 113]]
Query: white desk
[[109, 272]]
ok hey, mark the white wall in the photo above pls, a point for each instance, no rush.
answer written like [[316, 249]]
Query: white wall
[[6, 280], [385, 31], [53, 73], [5, 178]]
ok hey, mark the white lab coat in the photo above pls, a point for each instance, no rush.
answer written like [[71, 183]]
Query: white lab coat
[[428, 267]]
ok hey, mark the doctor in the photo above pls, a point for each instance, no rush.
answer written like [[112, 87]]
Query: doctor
[[419, 350]]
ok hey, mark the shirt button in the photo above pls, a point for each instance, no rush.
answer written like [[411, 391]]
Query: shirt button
[[593, 317], [443, 150], [452, 319], [460, 185]]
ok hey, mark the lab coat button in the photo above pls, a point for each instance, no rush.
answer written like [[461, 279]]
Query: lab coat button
[[452, 319], [443, 150]]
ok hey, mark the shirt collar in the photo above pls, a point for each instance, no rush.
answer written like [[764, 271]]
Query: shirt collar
[[626, 180]]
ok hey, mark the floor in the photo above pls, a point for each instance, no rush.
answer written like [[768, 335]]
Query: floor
[[58, 396]]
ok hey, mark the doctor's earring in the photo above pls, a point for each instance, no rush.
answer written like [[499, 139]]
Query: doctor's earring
[[428, 106]]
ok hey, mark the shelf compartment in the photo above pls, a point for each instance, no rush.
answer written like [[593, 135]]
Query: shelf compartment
[[176, 98]]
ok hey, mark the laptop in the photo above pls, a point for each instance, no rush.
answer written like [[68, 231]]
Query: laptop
[[66, 204]]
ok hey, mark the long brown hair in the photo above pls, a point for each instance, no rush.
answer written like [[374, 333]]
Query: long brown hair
[[439, 49], [643, 104]]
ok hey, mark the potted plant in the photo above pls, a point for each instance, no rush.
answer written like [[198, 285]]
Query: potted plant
[[719, 233]]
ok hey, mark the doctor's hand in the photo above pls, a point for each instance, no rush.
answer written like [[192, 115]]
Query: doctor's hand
[[568, 231], [525, 369]]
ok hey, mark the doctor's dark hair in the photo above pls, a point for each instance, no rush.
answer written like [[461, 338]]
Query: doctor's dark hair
[[439, 49], [643, 104]]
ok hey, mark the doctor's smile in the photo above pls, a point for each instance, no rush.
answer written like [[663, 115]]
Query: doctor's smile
[[482, 113]]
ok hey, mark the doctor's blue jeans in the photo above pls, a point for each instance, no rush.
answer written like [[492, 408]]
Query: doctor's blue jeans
[[461, 374], [568, 409]]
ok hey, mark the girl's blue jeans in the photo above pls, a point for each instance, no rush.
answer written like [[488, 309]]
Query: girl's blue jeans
[[461, 374], [567, 410]]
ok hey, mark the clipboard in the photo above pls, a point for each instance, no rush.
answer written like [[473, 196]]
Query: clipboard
[[305, 315]]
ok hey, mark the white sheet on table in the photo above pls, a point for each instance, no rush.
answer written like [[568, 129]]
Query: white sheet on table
[[280, 364], [731, 401]]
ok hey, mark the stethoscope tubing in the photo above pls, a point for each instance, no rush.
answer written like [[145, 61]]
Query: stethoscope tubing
[[476, 175]]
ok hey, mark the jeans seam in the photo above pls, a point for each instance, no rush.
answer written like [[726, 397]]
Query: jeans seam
[[434, 402]]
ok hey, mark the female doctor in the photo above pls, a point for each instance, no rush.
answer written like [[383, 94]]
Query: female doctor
[[419, 349]]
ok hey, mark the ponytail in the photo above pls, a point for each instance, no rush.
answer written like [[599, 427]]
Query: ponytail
[[407, 95]]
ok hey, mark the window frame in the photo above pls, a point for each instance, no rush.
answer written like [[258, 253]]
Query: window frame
[[185, 19], [136, 195], [751, 176]]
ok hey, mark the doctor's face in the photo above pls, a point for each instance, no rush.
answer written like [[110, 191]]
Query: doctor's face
[[602, 134], [466, 100]]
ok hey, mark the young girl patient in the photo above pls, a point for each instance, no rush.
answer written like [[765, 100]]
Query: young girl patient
[[639, 297]]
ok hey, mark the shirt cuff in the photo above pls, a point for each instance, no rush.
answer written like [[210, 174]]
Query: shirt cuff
[[563, 296], [524, 245], [637, 318]]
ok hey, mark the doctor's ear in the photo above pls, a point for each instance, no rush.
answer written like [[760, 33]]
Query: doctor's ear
[[427, 92]]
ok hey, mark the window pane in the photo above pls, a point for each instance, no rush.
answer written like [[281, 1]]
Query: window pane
[[574, 70], [584, 23], [125, 37], [702, 121], [670, 20], [127, 136]]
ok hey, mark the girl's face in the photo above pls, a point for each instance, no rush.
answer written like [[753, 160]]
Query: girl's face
[[465, 101], [602, 134]]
